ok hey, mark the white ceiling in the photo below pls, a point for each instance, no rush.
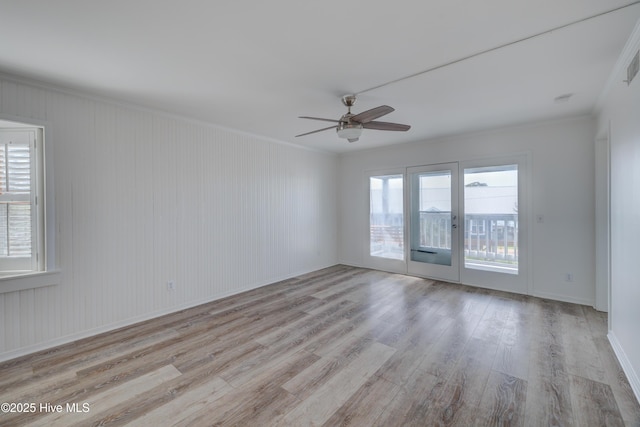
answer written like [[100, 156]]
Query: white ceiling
[[255, 66]]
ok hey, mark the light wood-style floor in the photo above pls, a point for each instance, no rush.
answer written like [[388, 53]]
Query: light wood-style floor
[[341, 346]]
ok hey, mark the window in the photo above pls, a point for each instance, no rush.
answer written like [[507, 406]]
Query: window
[[491, 218], [21, 199], [386, 217], [431, 217]]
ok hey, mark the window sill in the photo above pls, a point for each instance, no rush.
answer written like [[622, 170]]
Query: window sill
[[26, 281]]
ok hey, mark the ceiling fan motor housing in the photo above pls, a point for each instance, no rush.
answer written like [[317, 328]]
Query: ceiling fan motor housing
[[348, 130]]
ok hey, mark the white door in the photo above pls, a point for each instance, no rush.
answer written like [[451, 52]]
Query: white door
[[433, 221]]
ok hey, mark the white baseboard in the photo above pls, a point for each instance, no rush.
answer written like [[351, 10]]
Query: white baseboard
[[23, 351], [627, 367], [563, 298]]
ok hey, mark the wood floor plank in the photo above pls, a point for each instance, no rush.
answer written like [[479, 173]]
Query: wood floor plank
[[327, 315], [345, 287], [50, 359], [366, 321], [102, 402], [93, 358], [365, 405], [282, 347], [358, 322], [548, 389], [345, 279], [597, 321], [594, 403], [445, 352], [339, 346], [82, 388], [324, 402], [244, 372], [625, 398], [412, 348], [358, 330], [494, 319], [512, 357], [178, 410], [15, 374], [124, 413], [502, 402], [464, 301], [412, 402], [260, 397], [581, 356], [316, 375], [457, 403], [23, 391], [378, 288], [205, 352]]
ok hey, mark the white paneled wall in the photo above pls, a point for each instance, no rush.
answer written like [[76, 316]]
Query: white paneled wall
[[618, 121], [142, 198]]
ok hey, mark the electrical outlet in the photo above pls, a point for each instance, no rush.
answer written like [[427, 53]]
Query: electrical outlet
[[171, 285]]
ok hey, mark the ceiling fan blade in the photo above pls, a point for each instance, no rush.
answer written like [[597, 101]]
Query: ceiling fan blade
[[318, 118], [372, 114], [386, 126], [315, 131]]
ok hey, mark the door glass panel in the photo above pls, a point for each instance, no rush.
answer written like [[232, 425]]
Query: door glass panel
[[386, 221], [491, 218], [431, 217]]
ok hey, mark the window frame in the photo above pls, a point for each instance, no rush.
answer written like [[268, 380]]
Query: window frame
[[45, 272], [12, 265], [510, 282], [375, 262]]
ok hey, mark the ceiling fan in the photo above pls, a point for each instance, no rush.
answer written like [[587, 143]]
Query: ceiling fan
[[350, 125]]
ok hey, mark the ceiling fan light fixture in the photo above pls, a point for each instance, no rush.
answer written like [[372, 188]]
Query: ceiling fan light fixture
[[349, 131]]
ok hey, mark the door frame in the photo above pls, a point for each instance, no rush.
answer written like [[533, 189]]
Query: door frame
[[484, 279], [450, 273]]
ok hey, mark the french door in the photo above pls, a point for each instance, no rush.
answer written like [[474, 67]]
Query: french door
[[433, 221], [460, 222]]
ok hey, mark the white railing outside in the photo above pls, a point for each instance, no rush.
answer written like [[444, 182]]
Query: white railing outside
[[490, 240]]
